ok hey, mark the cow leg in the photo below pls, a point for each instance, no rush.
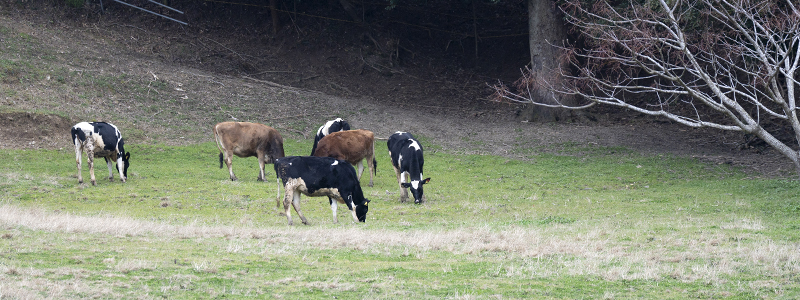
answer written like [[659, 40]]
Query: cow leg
[[350, 205], [121, 168], [287, 199], [333, 209], [400, 181], [229, 163], [90, 161], [292, 196], [261, 161], [90, 158], [371, 165], [278, 196], [360, 168], [78, 153], [296, 204], [110, 169], [404, 191], [353, 212]]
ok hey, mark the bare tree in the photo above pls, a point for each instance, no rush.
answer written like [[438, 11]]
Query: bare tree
[[725, 64]]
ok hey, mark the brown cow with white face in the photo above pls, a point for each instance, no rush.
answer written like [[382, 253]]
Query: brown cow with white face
[[245, 139], [352, 146]]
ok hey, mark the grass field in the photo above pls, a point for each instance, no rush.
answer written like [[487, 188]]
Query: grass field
[[608, 223], [590, 223]]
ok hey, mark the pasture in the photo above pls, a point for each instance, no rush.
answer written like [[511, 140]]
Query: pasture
[[557, 216], [596, 223]]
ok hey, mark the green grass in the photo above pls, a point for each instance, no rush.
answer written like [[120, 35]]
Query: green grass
[[613, 224], [590, 222]]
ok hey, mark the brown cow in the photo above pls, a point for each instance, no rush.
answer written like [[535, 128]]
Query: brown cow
[[246, 139], [352, 146]]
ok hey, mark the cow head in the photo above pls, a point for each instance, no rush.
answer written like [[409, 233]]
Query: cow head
[[416, 189], [361, 211], [338, 125]]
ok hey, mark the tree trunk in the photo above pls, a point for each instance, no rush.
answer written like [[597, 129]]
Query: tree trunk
[[545, 29], [273, 7]]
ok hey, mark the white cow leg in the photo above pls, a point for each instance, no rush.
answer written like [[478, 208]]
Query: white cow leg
[[334, 206], [353, 212], [110, 170], [261, 175], [90, 158], [278, 196], [90, 161], [78, 154], [400, 180], [287, 200], [296, 204], [121, 169], [360, 167]]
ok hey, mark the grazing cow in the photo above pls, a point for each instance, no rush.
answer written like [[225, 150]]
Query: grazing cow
[[320, 176], [246, 139], [330, 127], [352, 146], [100, 139], [406, 154]]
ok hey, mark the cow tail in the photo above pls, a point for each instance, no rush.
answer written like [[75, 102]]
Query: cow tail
[[76, 132], [219, 145], [374, 166], [73, 133], [314, 148]]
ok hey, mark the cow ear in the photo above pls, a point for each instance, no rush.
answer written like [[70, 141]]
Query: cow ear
[[426, 180], [366, 201], [405, 185], [127, 156]]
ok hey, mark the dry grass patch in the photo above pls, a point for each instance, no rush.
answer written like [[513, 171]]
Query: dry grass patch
[[573, 250]]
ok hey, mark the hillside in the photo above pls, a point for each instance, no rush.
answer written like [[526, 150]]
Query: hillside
[[163, 83]]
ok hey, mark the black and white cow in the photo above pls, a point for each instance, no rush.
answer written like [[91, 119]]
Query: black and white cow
[[320, 176], [407, 160], [330, 127], [100, 139]]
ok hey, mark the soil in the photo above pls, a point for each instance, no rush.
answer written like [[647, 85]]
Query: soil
[[427, 94]]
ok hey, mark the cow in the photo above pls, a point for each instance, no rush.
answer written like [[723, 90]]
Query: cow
[[352, 146], [407, 160], [245, 139], [330, 127], [100, 139], [320, 176]]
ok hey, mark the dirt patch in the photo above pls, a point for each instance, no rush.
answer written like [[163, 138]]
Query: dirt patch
[[25, 130]]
